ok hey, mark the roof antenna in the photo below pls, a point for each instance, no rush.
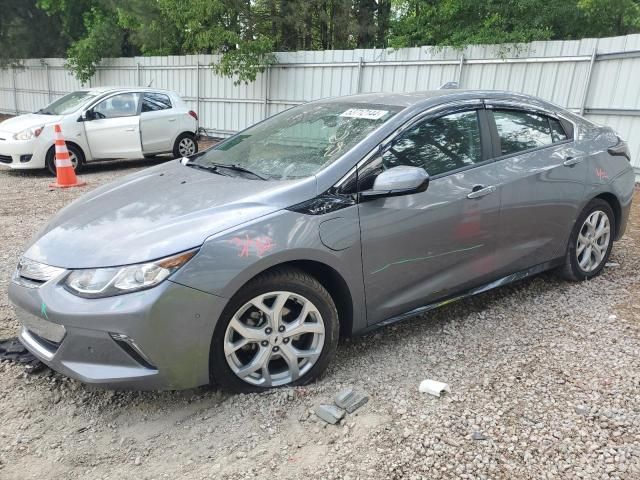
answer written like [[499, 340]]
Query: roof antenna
[[150, 83], [449, 86]]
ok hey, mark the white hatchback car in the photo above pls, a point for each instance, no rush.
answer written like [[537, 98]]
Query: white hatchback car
[[99, 124]]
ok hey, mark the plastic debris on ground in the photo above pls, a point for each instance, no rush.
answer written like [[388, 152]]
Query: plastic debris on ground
[[12, 349], [329, 413], [350, 399], [433, 387]]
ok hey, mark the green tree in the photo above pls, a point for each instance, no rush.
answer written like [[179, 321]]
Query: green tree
[[460, 23], [18, 22], [602, 18], [245, 32]]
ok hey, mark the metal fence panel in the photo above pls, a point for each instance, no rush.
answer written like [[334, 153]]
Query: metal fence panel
[[594, 76]]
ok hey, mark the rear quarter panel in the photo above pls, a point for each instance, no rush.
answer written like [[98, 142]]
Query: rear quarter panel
[[607, 173]]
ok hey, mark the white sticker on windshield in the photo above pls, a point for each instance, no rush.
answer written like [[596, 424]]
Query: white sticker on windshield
[[364, 113]]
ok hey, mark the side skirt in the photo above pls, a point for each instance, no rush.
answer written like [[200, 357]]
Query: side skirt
[[514, 277]]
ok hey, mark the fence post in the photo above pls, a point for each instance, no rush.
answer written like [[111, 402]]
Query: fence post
[[359, 81], [46, 68], [138, 73], [267, 81], [587, 81], [15, 89], [460, 70], [198, 86]]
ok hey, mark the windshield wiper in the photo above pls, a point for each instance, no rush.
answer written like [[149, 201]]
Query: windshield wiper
[[208, 168], [42, 111], [215, 167], [238, 168]]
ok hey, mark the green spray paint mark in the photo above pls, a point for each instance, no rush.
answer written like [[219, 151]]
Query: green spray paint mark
[[409, 260], [43, 310]]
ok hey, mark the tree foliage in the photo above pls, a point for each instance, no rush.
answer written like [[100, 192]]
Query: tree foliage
[[460, 23], [245, 32]]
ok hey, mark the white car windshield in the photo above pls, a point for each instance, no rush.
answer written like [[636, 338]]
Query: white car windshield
[[298, 142], [67, 104]]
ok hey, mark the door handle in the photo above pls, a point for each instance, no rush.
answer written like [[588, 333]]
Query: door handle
[[133, 129], [571, 161], [480, 191], [172, 119]]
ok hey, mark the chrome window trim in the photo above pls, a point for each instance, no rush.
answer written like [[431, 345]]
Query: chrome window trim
[[495, 104]]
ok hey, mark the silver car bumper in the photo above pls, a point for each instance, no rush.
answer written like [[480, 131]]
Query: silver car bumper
[[157, 339]]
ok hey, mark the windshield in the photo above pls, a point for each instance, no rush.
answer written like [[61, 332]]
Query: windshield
[[67, 104], [301, 141]]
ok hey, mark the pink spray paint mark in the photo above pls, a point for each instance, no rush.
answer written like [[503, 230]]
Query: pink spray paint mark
[[601, 174], [256, 245]]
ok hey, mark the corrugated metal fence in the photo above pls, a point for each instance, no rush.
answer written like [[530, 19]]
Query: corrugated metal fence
[[596, 77]]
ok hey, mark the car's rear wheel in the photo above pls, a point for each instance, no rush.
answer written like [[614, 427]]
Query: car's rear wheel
[[590, 242], [280, 330], [185, 145], [75, 155]]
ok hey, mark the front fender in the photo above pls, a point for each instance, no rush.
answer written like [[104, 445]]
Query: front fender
[[227, 261]]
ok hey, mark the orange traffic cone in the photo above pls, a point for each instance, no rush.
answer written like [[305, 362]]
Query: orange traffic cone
[[65, 175]]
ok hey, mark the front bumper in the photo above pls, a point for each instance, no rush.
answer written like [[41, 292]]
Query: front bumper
[[21, 154], [157, 339]]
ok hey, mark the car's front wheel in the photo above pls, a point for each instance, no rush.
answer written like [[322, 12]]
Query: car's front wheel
[[591, 242], [75, 155], [281, 329]]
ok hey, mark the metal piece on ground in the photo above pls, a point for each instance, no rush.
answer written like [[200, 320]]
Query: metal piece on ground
[[350, 399], [434, 387], [329, 413]]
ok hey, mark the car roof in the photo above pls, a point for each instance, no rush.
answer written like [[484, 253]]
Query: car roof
[[100, 90], [432, 97]]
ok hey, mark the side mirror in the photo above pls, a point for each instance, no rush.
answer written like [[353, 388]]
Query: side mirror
[[400, 180], [86, 116]]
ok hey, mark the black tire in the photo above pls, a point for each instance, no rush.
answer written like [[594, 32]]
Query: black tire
[[181, 137], [50, 160], [284, 279], [571, 270]]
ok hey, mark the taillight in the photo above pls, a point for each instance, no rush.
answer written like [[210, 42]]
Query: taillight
[[193, 114], [620, 149]]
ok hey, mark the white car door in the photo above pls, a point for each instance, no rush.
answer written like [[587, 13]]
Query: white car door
[[158, 122], [113, 127]]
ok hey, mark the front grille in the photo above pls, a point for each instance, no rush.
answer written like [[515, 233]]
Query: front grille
[[5, 159]]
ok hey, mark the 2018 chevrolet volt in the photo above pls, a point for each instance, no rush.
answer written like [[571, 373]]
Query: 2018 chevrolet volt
[[243, 264]]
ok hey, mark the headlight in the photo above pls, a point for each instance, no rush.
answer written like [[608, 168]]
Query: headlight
[[28, 134], [107, 282]]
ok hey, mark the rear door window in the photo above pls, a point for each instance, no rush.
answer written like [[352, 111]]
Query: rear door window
[[152, 102], [519, 130]]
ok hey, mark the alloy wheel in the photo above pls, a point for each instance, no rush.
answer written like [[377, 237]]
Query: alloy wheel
[[274, 339], [593, 241], [186, 147], [74, 159]]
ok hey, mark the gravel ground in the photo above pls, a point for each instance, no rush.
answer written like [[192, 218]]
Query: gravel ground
[[545, 380]]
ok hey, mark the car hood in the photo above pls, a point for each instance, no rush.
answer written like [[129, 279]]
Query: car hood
[[22, 122], [155, 213]]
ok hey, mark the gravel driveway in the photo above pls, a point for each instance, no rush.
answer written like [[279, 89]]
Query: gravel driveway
[[545, 380]]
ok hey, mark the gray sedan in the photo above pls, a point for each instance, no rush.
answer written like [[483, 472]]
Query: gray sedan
[[243, 265]]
